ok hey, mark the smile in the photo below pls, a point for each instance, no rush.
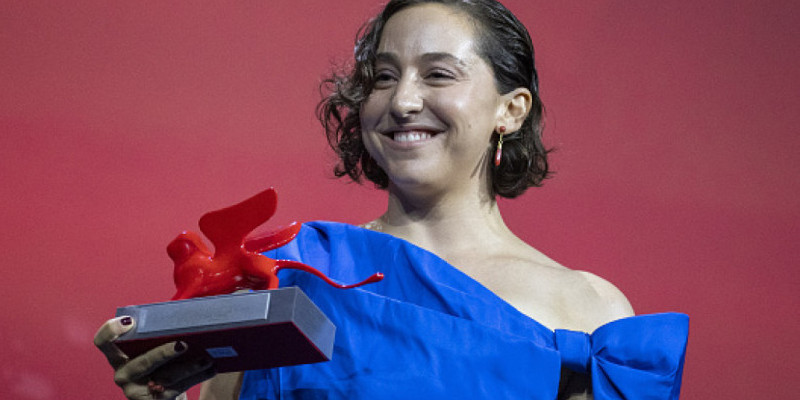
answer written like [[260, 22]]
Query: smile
[[410, 136]]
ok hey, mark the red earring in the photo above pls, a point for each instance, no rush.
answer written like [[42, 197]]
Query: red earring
[[498, 155]]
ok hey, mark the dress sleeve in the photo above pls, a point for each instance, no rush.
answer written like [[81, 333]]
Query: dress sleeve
[[639, 357]]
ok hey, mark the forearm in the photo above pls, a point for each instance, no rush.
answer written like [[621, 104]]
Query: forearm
[[222, 387]]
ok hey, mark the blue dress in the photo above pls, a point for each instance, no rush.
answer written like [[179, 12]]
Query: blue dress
[[428, 331]]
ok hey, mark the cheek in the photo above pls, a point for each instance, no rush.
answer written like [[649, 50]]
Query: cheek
[[467, 104], [369, 142], [369, 119], [467, 114], [371, 111]]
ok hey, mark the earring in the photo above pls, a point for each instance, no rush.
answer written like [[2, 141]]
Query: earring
[[498, 155]]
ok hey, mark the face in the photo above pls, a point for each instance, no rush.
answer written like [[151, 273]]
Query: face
[[429, 119]]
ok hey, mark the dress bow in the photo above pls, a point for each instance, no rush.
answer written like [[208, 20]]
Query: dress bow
[[638, 357]]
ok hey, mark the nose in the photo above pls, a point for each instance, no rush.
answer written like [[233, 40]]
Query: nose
[[407, 98]]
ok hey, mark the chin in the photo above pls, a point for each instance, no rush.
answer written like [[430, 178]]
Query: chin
[[416, 183]]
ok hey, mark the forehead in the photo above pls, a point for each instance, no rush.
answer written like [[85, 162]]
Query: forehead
[[429, 28]]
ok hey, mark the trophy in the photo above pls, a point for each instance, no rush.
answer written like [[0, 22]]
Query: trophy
[[228, 303]]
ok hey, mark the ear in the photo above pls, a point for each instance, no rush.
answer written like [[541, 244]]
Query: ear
[[514, 108]]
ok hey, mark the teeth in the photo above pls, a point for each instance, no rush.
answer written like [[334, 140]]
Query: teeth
[[411, 136]]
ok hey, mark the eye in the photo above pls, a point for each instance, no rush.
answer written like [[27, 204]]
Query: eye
[[440, 75], [384, 77]]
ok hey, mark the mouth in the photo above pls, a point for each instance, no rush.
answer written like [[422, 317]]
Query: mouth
[[410, 136]]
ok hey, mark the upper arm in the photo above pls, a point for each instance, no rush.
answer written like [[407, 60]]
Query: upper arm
[[615, 304], [612, 305]]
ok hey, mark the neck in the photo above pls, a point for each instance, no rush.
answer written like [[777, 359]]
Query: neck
[[444, 224]]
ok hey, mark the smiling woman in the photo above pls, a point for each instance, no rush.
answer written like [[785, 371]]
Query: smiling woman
[[501, 42], [438, 92], [438, 89]]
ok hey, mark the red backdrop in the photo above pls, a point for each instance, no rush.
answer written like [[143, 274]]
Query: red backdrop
[[122, 122]]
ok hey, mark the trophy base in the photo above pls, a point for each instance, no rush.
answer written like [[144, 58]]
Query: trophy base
[[242, 331]]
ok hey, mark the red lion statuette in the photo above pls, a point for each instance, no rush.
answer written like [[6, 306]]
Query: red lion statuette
[[236, 262]]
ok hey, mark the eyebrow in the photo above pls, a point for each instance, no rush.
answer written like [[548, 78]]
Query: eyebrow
[[391, 58]]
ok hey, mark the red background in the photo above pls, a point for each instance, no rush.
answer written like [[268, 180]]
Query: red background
[[122, 122]]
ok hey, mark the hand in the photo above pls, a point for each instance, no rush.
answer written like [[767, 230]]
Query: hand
[[156, 374]]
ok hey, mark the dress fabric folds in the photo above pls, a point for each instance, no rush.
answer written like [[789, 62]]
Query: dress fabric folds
[[428, 331]]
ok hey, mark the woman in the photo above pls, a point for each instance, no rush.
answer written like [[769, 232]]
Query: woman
[[441, 110]]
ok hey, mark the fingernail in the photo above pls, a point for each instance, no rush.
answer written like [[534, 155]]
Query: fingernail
[[179, 347], [155, 388], [126, 321]]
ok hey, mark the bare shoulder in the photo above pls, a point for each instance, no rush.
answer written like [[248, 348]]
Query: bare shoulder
[[581, 300], [557, 296], [615, 302]]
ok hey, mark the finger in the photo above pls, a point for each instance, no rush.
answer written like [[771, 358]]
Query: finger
[[177, 391], [140, 367], [108, 333], [136, 391], [171, 374]]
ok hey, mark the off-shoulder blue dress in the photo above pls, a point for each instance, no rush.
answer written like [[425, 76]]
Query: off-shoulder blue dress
[[428, 331]]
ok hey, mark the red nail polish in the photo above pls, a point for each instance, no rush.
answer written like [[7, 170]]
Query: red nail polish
[[126, 321]]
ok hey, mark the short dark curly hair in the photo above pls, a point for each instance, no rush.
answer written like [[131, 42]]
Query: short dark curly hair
[[503, 43]]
